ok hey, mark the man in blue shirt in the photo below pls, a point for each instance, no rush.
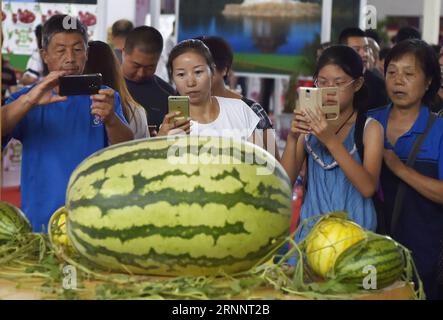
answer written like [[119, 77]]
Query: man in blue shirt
[[57, 132]]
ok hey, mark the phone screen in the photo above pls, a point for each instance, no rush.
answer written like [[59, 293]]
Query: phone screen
[[179, 104], [78, 85]]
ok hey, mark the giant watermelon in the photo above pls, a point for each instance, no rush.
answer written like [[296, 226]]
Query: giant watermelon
[[178, 206]]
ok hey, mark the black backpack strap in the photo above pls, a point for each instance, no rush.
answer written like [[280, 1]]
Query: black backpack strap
[[398, 204], [360, 125]]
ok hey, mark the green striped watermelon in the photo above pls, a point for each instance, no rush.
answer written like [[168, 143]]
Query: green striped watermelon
[[12, 222], [380, 252], [178, 206]]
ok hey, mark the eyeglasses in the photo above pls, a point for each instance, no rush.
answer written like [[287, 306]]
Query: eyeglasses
[[326, 84]]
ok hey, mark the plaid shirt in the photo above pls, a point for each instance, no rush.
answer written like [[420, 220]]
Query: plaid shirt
[[265, 122]]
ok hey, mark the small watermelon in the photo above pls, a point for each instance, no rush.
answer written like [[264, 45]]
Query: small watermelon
[[12, 222], [381, 254]]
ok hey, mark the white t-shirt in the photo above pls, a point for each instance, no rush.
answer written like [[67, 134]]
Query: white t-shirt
[[34, 67], [162, 70], [139, 123], [235, 120]]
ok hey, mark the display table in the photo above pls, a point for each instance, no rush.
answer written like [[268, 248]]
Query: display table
[[31, 289]]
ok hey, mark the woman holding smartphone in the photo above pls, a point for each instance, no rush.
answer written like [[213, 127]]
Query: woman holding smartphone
[[343, 156], [191, 68]]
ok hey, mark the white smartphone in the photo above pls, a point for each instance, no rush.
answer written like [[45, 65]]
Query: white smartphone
[[325, 98]]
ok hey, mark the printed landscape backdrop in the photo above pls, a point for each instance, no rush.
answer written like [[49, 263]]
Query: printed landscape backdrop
[[267, 36]]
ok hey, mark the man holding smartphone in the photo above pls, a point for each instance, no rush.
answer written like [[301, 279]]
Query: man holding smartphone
[[57, 132]]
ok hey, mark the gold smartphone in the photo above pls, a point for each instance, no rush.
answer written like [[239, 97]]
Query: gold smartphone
[[325, 98], [181, 104]]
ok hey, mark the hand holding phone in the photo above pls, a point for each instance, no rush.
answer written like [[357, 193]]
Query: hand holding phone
[[299, 125], [43, 92], [103, 106], [179, 104], [177, 121], [170, 126]]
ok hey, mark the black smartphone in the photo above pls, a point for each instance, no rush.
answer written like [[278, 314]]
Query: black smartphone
[[80, 85]]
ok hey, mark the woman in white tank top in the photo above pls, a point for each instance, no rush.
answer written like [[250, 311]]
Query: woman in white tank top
[[191, 68]]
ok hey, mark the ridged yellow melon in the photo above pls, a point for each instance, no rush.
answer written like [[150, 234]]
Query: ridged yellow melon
[[329, 238], [57, 231]]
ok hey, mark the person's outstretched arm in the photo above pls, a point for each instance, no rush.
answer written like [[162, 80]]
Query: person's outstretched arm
[[41, 94]]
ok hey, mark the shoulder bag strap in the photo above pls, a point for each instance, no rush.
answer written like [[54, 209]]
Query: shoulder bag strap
[[398, 204]]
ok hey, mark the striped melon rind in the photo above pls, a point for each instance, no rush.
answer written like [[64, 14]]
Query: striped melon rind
[[133, 208], [12, 222], [380, 252]]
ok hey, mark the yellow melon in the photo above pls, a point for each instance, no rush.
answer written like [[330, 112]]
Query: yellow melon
[[329, 238], [57, 231]]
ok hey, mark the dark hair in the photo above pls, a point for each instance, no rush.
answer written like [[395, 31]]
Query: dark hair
[[192, 45], [350, 32], [146, 39], [427, 59], [324, 45], [121, 28], [373, 35], [38, 35], [383, 53], [102, 59], [406, 33], [221, 51], [351, 63], [436, 48], [56, 24]]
